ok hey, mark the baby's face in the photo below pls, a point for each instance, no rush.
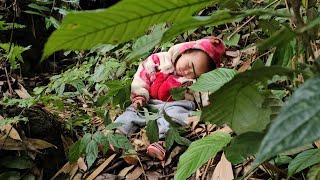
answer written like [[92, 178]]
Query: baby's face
[[197, 58]]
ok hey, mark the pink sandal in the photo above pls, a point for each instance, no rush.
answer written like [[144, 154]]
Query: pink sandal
[[156, 150]]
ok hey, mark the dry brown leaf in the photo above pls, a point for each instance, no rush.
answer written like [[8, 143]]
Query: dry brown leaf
[[223, 170], [131, 159], [66, 169], [153, 175], [38, 143], [22, 92], [10, 131], [135, 174], [173, 154], [106, 176], [193, 121], [11, 144], [82, 165], [234, 57], [250, 51], [125, 171], [101, 168], [225, 129]]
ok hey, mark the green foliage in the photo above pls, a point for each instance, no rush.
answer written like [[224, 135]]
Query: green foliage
[[83, 30], [216, 79], [146, 43], [304, 160], [217, 18], [13, 120], [13, 53], [243, 146], [174, 136], [314, 173], [278, 38], [240, 104], [178, 93], [16, 162], [299, 118], [199, 152], [88, 145], [152, 130]]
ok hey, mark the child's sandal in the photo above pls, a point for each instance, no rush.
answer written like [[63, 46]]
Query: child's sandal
[[156, 150]]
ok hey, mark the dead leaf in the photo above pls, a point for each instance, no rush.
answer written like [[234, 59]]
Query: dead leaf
[[10, 131], [66, 169], [106, 176], [173, 154], [250, 51], [193, 121], [125, 171], [225, 129], [38, 143], [223, 170], [131, 159], [135, 174], [153, 175], [11, 144], [234, 57], [22, 92], [101, 168], [82, 165]]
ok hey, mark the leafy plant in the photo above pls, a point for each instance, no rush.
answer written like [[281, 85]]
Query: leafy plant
[[12, 54], [199, 152]]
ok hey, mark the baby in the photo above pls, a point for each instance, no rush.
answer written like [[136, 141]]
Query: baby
[[160, 73]]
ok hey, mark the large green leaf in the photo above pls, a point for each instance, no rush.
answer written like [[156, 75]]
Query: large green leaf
[[297, 124], [243, 146], [304, 160], [240, 107], [213, 80], [240, 104], [217, 18], [119, 23], [199, 152], [314, 173]]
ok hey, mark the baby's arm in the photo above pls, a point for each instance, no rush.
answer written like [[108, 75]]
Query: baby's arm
[[142, 80]]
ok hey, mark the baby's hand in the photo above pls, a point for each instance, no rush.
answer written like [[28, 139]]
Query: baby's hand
[[138, 103]]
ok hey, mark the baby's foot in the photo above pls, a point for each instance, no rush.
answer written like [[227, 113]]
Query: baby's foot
[[156, 150]]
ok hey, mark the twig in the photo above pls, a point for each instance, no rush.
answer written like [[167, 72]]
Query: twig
[[239, 28], [206, 169]]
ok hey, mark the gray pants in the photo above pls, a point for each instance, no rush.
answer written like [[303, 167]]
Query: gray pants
[[179, 111]]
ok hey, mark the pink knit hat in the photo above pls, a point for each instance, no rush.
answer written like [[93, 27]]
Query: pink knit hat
[[211, 45]]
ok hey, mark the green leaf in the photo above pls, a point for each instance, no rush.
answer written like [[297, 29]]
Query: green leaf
[[75, 152], [297, 124], [218, 18], [178, 93], [37, 7], [243, 146], [182, 140], [241, 107], [16, 162], [283, 54], [213, 80], [304, 160], [119, 141], [278, 38], [147, 42], [152, 131], [199, 152], [240, 104], [91, 152], [119, 23], [314, 173], [233, 41], [170, 136], [10, 175]]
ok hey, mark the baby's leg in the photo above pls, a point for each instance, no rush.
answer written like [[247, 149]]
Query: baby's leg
[[130, 121], [179, 111]]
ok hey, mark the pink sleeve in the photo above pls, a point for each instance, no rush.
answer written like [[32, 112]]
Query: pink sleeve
[[143, 78]]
